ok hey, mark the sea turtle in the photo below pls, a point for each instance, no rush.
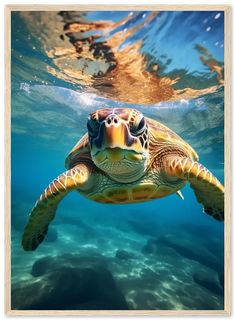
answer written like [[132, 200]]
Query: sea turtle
[[125, 158]]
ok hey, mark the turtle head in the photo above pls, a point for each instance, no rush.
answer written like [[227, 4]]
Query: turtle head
[[119, 142]]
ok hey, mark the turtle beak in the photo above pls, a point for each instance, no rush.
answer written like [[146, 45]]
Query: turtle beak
[[115, 136], [113, 133]]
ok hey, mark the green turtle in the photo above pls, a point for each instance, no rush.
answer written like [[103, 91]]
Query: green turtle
[[124, 158]]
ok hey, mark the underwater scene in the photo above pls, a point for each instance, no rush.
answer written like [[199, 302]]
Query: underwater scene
[[162, 254]]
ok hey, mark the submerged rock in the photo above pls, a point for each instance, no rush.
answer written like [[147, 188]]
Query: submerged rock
[[208, 281], [124, 255], [189, 249], [42, 266], [149, 247], [60, 284], [194, 228], [49, 264]]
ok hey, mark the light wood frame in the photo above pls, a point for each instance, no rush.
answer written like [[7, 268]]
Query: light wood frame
[[227, 159]]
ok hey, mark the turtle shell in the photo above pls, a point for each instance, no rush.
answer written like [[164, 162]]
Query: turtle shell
[[159, 133]]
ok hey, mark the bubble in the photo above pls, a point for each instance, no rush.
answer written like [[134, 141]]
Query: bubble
[[217, 16], [216, 43], [25, 87], [208, 29], [144, 15]]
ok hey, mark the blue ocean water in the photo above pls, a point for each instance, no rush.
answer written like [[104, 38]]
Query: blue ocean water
[[159, 255]]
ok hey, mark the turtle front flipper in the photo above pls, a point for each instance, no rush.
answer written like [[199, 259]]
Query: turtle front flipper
[[208, 190], [45, 208]]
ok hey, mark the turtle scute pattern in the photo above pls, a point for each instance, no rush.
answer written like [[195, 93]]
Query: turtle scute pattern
[[208, 190], [45, 208]]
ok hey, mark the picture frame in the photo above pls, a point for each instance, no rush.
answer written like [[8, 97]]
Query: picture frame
[[227, 159]]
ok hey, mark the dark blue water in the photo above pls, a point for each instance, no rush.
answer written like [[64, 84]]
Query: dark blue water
[[159, 255]]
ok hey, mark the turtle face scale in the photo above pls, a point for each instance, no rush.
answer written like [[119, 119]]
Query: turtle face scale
[[119, 142]]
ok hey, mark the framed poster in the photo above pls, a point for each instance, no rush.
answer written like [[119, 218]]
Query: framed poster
[[118, 160]]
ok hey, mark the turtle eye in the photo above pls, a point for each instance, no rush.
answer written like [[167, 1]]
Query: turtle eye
[[139, 127]]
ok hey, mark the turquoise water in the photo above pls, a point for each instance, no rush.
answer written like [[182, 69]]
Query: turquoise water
[[159, 255]]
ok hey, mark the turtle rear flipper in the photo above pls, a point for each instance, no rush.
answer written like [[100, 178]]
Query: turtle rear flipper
[[208, 190], [45, 208]]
